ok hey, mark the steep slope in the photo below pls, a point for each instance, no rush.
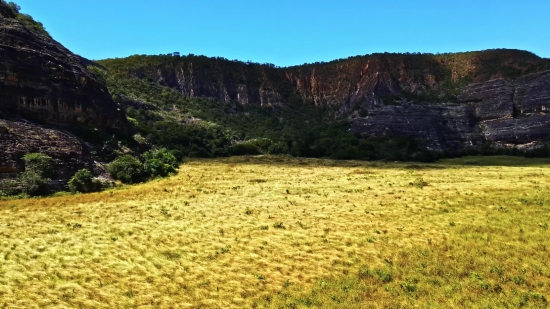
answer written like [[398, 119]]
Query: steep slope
[[448, 101], [42, 79], [501, 112], [351, 81], [43, 82]]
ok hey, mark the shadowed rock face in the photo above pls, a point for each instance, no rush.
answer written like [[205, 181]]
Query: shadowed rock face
[[498, 111], [439, 125], [20, 137], [41, 79]]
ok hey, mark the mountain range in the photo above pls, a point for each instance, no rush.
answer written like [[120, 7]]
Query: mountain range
[[378, 106]]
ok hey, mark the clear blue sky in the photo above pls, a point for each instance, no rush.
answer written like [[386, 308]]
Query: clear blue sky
[[289, 32]]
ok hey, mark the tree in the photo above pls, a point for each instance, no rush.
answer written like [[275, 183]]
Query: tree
[[14, 7], [36, 177], [83, 182], [127, 169], [160, 163], [39, 163]]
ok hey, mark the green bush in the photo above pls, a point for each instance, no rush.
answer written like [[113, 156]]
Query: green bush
[[127, 169], [83, 182], [160, 163], [39, 164], [245, 148], [33, 183], [278, 148], [36, 177], [9, 187]]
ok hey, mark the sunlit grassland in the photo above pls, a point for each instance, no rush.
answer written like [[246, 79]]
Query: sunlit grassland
[[289, 233]]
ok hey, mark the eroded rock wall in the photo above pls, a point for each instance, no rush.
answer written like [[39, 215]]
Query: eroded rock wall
[[19, 137], [498, 111], [41, 79]]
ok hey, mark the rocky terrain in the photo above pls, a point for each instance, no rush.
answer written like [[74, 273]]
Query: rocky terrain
[[448, 101], [512, 113], [43, 82], [18, 137], [353, 81]]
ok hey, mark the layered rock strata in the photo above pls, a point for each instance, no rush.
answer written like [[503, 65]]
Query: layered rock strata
[[498, 111]]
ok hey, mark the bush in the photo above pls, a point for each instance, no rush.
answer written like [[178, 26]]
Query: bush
[[160, 163], [83, 182], [278, 148], [245, 148], [127, 169], [39, 163], [10, 187], [35, 179], [33, 183]]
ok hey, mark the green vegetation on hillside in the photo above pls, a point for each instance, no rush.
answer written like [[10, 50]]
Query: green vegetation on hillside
[[203, 127], [25, 19]]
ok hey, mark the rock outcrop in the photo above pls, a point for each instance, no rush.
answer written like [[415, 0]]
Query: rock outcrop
[[355, 82], [41, 79], [19, 137], [498, 111]]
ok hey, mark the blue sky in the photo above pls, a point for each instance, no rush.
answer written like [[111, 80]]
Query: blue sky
[[290, 32]]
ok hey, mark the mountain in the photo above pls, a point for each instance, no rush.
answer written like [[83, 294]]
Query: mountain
[[351, 81], [449, 101], [378, 106]]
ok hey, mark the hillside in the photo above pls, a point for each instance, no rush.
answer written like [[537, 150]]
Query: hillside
[[376, 107], [45, 90], [352, 81], [446, 102]]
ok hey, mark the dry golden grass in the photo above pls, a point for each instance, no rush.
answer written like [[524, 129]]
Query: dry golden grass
[[281, 232]]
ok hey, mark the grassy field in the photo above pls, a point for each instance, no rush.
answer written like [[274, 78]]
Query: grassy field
[[278, 232]]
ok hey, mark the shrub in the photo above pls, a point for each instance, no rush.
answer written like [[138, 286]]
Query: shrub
[[278, 148], [39, 163], [33, 183], [245, 148], [9, 187], [35, 179], [83, 182], [127, 169], [160, 163]]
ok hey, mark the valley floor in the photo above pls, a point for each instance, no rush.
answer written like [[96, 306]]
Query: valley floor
[[283, 232]]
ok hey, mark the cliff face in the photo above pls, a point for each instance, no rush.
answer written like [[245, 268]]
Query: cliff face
[[42, 81], [501, 111], [355, 82], [449, 101]]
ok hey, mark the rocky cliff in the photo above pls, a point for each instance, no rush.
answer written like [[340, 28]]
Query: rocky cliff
[[501, 111], [356, 81], [39, 78], [449, 101], [43, 82]]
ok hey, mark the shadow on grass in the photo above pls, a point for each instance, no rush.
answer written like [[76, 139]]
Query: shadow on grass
[[441, 164], [496, 161]]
